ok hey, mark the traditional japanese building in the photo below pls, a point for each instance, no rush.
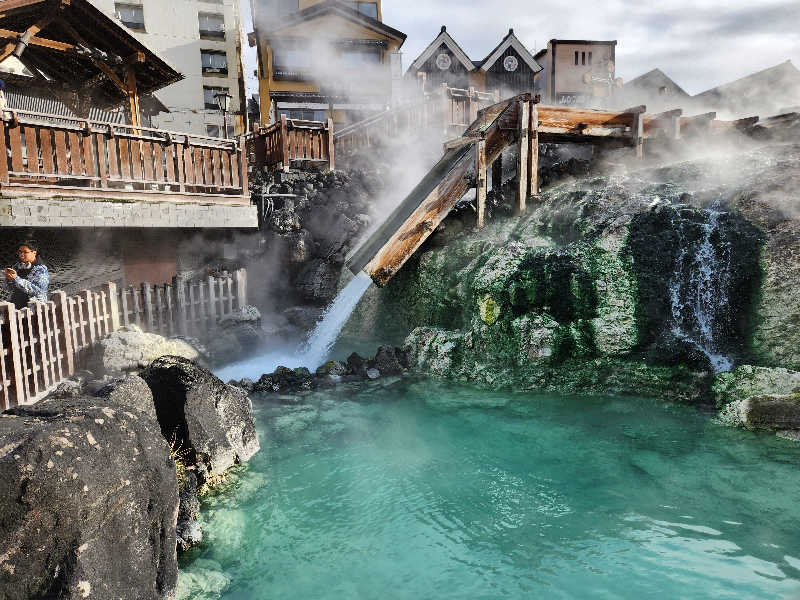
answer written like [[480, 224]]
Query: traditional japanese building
[[509, 68], [324, 58], [656, 90], [577, 72]]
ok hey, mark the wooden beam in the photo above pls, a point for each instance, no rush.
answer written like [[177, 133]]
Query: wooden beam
[[637, 134], [533, 150], [133, 97], [10, 5], [523, 124], [457, 143], [738, 124], [37, 41], [667, 122], [584, 122], [698, 123], [6, 52], [480, 182]]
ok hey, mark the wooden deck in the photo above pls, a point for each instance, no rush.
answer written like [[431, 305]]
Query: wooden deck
[[47, 156]]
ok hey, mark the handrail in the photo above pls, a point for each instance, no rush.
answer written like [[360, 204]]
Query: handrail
[[83, 123]]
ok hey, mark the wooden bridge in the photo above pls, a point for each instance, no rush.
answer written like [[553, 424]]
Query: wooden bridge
[[523, 122]]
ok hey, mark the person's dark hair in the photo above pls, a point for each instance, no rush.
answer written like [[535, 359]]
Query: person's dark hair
[[33, 245]]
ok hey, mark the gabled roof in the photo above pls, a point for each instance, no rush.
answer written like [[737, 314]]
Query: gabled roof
[[754, 83], [510, 41], [442, 38], [341, 9], [654, 78], [77, 47]]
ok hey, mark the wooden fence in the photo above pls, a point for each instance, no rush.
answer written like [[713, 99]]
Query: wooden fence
[[51, 150], [42, 344], [293, 140]]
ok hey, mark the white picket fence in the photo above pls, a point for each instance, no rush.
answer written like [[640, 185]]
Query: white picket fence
[[41, 345]]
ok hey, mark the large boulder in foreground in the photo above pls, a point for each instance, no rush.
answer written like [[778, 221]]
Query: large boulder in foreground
[[774, 413], [748, 381], [130, 349], [88, 503], [211, 423]]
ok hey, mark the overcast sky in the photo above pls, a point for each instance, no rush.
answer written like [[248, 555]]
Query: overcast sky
[[699, 43]]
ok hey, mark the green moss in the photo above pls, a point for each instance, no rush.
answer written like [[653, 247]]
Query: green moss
[[489, 310]]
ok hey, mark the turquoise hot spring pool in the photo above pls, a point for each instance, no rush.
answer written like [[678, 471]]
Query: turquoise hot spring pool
[[414, 489]]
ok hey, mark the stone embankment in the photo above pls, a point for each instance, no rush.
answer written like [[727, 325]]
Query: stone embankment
[[98, 482]]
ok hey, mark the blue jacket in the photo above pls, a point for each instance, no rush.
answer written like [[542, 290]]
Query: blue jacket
[[34, 287]]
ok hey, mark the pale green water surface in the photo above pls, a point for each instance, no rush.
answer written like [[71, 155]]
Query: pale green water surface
[[418, 490]]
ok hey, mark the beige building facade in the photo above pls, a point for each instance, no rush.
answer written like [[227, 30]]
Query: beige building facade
[[202, 39], [577, 73]]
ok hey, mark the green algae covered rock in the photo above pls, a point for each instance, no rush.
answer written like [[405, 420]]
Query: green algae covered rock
[[769, 412], [489, 310], [749, 381]]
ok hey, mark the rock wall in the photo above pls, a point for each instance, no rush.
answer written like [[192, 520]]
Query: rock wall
[[579, 294]]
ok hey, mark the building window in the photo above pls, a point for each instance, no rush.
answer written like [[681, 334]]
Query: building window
[[359, 58], [210, 96], [303, 114], [214, 62], [576, 58], [216, 131], [291, 58], [583, 58], [590, 58], [131, 15], [367, 8], [212, 26]]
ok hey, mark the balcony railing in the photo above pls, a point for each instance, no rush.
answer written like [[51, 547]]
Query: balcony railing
[[97, 159]]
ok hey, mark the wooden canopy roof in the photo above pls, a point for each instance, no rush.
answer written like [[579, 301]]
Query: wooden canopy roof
[[72, 45]]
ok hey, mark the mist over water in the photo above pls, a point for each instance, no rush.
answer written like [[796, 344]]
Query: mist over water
[[314, 351]]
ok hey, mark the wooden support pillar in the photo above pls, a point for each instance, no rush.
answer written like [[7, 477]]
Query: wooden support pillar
[[533, 150], [62, 315], [331, 147], [446, 112], [133, 97], [523, 110], [16, 391], [497, 174], [480, 182], [284, 143], [637, 132]]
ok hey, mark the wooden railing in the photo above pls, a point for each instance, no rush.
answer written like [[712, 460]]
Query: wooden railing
[[448, 112], [42, 344], [293, 140], [101, 158]]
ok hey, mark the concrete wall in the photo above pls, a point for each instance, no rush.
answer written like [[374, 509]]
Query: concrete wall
[[173, 32], [570, 87], [66, 213]]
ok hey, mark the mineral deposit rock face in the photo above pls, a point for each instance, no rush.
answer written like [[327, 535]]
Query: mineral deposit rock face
[[81, 485], [209, 421]]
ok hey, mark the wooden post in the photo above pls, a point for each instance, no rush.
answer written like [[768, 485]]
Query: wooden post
[[86, 295], [147, 301], [331, 148], [3, 154], [480, 182], [497, 174], [241, 287], [113, 303], [533, 150], [637, 132], [472, 104], [212, 305], [243, 177], [445, 110], [133, 98], [523, 110], [62, 308], [180, 304], [284, 144], [9, 315]]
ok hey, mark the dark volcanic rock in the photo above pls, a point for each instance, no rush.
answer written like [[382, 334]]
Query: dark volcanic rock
[[318, 281], [212, 423], [303, 317], [131, 391], [387, 360], [188, 529], [88, 503], [333, 368], [357, 365]]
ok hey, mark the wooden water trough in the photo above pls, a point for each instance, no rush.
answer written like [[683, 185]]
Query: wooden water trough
[[520, 120]]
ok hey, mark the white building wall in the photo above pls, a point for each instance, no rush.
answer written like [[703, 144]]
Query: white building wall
[[172, 31]]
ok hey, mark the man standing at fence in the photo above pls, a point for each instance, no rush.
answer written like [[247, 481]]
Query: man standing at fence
[[29, 278]]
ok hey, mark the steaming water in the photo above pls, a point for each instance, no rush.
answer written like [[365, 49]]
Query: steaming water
[[698, 293], [422, 490], [315, 350], [319, 343]]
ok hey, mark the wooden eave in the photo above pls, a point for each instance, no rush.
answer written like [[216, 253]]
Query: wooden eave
[[446, 39], [512, 41], [80, 49], [342, 10]]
